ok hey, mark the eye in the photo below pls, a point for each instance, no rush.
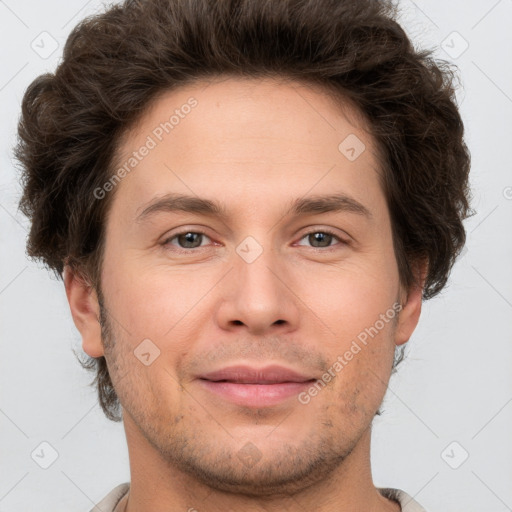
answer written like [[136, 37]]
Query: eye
[[186, 240], [322, 238]]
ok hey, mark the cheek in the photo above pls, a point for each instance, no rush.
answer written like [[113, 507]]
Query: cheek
[[134, 301], [351, 297], [361, 365], [159, 303], [356, 302]]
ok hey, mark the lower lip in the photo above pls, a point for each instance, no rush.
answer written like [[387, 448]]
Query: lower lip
[[255, 395]]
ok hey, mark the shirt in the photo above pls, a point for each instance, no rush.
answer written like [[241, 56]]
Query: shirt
[[110, 501]]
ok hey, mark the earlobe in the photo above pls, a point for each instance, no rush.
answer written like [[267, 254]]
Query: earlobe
[[411, 306], [84, 306]]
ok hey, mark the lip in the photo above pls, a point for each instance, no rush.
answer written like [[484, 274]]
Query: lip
[[272, 374], [255, 387]]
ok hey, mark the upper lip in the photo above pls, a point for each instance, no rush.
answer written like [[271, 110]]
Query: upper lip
[[250, 375]]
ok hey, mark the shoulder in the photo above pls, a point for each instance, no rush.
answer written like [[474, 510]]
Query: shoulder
[[109, 502], [407, 503]]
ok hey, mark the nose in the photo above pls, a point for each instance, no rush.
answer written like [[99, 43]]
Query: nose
[[258, 296]]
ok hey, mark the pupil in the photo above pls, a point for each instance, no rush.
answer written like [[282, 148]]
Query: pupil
[[323, 238], [188, 239]]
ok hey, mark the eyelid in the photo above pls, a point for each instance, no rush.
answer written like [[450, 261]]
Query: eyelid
[[343, 241], [329, 231], [167, 239]]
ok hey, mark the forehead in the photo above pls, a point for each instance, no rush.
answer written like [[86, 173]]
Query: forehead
[[256, 137], [207, 111]]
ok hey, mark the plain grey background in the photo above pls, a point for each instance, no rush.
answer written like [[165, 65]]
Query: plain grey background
[[445, 436]]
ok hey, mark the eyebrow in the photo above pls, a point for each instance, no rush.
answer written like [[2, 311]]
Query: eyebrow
[[312, 205]]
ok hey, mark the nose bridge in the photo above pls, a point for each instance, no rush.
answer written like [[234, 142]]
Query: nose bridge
[[257, 295], [256, 269], [258, 283]]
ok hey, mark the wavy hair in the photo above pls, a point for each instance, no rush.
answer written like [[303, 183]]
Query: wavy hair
[[117, 62]]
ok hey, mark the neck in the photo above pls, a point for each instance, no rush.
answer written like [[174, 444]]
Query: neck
[[155, 484]]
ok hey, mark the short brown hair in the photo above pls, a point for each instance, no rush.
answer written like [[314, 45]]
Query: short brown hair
[[117, 62]]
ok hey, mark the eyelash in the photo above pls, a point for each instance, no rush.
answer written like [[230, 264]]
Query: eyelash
[[167, 241]]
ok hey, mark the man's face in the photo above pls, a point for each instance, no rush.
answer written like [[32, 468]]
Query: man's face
[[262, 285]]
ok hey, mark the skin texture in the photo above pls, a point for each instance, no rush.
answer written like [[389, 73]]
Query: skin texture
[[254, 146]]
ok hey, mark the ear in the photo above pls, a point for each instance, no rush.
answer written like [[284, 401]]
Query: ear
[[411, 301], [85, 311]]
